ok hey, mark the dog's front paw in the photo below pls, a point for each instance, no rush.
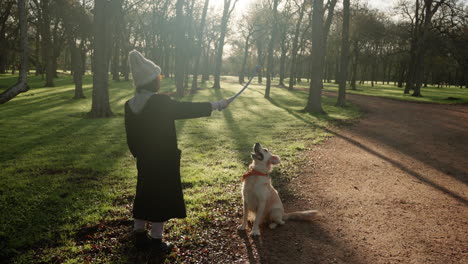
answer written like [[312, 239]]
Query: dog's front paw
[[241, 228], [255, 233]]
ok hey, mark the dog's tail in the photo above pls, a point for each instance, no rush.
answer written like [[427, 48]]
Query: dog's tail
[[301, 216]]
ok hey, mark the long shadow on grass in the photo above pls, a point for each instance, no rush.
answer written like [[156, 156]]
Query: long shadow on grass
[[242, 139], [180, 124], [395, 163], [54, 187], [42, 116], [60, 131]]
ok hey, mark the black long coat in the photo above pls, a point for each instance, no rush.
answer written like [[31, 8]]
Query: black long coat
[[151, 137]]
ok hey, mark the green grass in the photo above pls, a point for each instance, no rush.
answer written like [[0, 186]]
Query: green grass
[[431, 94], [60, 171]]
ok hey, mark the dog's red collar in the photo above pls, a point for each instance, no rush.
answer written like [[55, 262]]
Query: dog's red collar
[[253, 172]]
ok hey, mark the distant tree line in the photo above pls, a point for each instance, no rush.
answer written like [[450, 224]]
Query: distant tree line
[[382, 46], [420, 42]]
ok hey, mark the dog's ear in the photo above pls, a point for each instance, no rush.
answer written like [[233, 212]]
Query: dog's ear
[[275, 160]]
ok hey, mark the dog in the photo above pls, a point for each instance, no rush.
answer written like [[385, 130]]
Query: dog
[[260, 198]]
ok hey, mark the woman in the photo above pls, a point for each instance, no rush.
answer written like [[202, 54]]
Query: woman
[[151, 138]]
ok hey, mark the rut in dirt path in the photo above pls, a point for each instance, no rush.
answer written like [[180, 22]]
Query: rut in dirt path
[[392, 189]]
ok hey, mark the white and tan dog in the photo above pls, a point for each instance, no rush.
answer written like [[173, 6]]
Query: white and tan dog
[[260, 198]]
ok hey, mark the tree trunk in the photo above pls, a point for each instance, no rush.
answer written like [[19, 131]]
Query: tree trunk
[[199, 47], [355, 64], [421, 27], [179, 49], [314, 102], [207, 68], [167, 60], [5, 14], [124, 65], [284, 49], [57, 47], [244, 60], [260, 60], [401, 74], [47, 47], [219, 54], [21, 86], [344, 55], [419, 75], [373, 71], [78, 70], [115, 65], [103, 19], [292, 72], [38, 65], [270, 50]]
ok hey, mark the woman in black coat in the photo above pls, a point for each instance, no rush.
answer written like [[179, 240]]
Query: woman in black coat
[[151, 138]]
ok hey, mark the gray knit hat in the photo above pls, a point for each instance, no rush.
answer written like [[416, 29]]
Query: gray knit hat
[[143, 70]]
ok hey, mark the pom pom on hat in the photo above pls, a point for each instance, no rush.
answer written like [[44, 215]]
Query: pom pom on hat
[[143, 70]]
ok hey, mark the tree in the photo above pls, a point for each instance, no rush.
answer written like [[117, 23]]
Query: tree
[[199, 46], [47, 47], [180, 49], [344, 55], [21, 86], [314, 104], [103, 18], [284, 42], [76, 22], [270, 48], [295, 46], [248, 30], [6, 8], [422, 20], [319, 41], [219, 54]]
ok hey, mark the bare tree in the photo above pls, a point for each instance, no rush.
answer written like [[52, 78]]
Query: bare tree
[[180, 48], [422, 21], [199, 47], [270, 49], [295, 45], [344, 55], [248, 31], [47, 47], [229, 6], [284, 42]]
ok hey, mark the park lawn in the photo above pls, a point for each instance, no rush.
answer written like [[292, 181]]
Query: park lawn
[[430, 94], [62, 173]]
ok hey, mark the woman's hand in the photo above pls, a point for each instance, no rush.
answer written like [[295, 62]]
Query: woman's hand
[[219, 105]]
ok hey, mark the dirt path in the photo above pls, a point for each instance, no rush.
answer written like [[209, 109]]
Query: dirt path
[[392, 189]]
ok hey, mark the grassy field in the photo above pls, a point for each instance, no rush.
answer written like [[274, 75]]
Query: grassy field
[[67, 181], [431, 94]]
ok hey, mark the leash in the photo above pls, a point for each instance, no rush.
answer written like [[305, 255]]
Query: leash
[[258, 68]]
